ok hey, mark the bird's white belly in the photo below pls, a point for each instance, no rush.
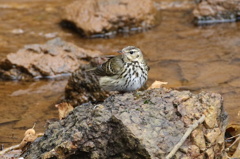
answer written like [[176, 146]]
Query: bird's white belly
[[130, 81], [136, 81]]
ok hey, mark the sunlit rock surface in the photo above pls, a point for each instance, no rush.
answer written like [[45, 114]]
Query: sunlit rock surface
[[214, 11], [96, 18], [53, 59], [137, 125]]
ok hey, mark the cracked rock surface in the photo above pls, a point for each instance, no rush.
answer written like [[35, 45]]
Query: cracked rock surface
[[143, 125]]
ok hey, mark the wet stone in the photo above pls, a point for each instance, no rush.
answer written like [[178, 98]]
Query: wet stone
[[216, 11], [56, 58], [124, 126], [106, 18]]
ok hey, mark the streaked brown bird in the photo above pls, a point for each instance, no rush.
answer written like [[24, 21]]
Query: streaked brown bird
[[125, 72]]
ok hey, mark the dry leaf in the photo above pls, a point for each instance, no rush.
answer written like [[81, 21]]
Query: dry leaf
[[29, 136], [30, 132], [157, 84], [64, 109], [27, 139], [237, 151]]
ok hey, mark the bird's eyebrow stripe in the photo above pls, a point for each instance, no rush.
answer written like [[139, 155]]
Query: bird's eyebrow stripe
[[133, 50]]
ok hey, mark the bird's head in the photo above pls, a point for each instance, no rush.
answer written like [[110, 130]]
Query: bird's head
[[131, 53]]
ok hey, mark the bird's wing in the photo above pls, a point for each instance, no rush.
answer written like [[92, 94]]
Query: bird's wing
[[112, 67], [146, 63], [148, 68]]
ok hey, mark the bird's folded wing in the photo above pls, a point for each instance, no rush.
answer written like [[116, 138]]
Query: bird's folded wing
[[112, 67]]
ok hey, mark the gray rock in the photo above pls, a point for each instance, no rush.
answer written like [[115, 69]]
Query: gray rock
[[143, 125]]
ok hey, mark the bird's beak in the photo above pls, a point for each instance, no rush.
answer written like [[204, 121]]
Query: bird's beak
[[120, 51]]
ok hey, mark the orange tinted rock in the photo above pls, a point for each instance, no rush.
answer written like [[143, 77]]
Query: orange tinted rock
[[55, 58], [102, 16]]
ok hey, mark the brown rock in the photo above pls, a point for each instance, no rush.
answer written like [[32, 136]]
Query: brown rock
[[109, 16], [55, 58], [204, 9], [83, 86], [212, 11], [64, 109], [136, 125]]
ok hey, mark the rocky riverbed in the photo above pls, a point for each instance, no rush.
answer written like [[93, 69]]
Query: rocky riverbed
[[36, 48]]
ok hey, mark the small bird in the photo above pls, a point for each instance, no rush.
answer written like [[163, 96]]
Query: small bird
[[124, 73]]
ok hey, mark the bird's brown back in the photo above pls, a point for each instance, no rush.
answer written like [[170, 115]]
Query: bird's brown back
[[112, 67]]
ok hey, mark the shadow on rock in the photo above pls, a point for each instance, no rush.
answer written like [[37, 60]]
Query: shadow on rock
[[83, 86], [143, 125]]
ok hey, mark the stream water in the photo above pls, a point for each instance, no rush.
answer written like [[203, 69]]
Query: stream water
[[203, 58]]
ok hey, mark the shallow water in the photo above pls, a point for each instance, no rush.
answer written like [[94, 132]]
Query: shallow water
[[205, 58]]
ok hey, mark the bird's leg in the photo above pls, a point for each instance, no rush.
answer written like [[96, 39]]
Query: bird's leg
[[135, 93]]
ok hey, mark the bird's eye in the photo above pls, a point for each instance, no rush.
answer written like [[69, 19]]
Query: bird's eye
[[131, 52]]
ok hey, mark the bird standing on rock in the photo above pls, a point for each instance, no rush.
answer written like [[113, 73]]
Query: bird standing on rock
[[124, 73]]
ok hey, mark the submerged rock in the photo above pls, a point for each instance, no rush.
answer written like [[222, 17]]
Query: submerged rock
[[137, 125], [215, 11], [55, 58], [98, 18]]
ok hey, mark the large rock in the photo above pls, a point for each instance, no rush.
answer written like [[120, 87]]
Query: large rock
[[137, 125], [55, 58], [213, 11], [93, 17]]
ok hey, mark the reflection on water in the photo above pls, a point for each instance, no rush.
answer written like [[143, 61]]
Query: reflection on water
[[24, 103], [192, 58]]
